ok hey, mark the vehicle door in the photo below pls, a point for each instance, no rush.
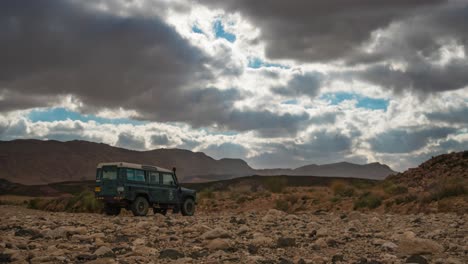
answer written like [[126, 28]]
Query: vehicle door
[[108, 181], [154, 187], [169, 188], [136, 182]]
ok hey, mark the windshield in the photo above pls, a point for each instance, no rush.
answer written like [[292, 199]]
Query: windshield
[[109, 173]]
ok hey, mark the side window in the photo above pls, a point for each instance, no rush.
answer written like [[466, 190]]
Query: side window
[[130, 174], [135, 175], [168, 179], [153, 177]]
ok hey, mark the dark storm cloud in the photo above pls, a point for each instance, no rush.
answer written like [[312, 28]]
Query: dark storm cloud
[[411, 33], [452, 116], [321, 147], [267, 123], [50, 49], [306, 84], [407, 140], [130, 141], [307, 30]]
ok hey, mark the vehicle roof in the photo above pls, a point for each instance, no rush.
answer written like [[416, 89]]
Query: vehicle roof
[[132, 166]]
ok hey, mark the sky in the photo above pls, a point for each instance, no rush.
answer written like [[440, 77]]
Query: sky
[[276, 83]]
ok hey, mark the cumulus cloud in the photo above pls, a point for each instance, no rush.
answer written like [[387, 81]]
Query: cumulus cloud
[[130, 141], [451, 115], [302, 84], [319, 147], [319, 30], [226, 150], [407, 140]]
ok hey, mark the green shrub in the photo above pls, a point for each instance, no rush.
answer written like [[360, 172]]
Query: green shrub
[[450, 190], [206, 194], [241, 199], [34, 203], [406, 199], [335, 199], [341, 189], [394, 189], [368, 200], [282, 205], [276, 184], [292, 199]]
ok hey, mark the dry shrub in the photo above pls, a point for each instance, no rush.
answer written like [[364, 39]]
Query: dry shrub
[[368, 200], [276, 184], [342, 189]]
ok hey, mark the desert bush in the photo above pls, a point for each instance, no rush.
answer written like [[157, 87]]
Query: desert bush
[[292, 199], [361, 184], [33, 203], [368, 200], [394, 189], [449, 190], [282, 205], [406, 199], [335, 199], [341, 189], [206, 194], [84, 202], [276, 184], [242, 199]]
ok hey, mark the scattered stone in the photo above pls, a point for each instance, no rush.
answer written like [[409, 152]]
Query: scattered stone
[[286, 242], [103, 252], [219, 244], [170, 253], [216, 233], [416, 259]]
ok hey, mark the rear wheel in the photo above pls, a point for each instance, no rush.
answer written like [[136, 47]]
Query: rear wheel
[[110, 209], [140, 206], [162, 211], [188, 207]]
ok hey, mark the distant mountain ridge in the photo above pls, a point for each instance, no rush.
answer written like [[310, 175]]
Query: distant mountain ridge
[[40, 162]]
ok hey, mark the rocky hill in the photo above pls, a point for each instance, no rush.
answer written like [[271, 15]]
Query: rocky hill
[[40, 162], [436, 172]]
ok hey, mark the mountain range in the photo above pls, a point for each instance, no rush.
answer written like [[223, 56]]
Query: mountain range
[[39, 162]]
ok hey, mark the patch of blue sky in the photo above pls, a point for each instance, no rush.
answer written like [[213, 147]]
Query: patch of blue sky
[[290, 102], [362, 101], [221, 33], [256, 63], [62, 114], [196, 29]]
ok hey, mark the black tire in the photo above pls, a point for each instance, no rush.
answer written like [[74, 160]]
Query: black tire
[[111, 209], [188, 207], [140, 206], [162, 211]]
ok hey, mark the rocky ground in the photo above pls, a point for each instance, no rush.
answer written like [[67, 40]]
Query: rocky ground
[[33, 236]]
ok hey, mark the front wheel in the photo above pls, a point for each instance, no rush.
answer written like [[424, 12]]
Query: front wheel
[[188, 207], [140, 206]]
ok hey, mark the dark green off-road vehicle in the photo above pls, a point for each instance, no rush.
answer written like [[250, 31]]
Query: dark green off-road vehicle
[[140, 187]]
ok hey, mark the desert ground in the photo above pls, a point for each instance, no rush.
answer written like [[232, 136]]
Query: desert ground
[[270, 236]]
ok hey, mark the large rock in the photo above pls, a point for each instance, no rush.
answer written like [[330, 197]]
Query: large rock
[[219, 244], [216, 233], [409, 244], [171, 253]]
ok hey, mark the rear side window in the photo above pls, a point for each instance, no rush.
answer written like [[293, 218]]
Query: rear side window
[[135, 175], [167, 179], [154, 177]]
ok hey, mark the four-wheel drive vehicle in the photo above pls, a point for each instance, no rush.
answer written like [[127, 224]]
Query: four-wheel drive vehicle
[[138, 187]]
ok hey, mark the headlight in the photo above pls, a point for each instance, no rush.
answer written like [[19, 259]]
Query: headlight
[[120, 189]]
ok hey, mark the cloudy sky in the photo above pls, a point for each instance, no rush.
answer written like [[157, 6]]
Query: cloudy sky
[[277, 83]]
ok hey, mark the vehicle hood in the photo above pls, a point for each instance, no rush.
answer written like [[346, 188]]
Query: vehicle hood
[[187, 191]]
